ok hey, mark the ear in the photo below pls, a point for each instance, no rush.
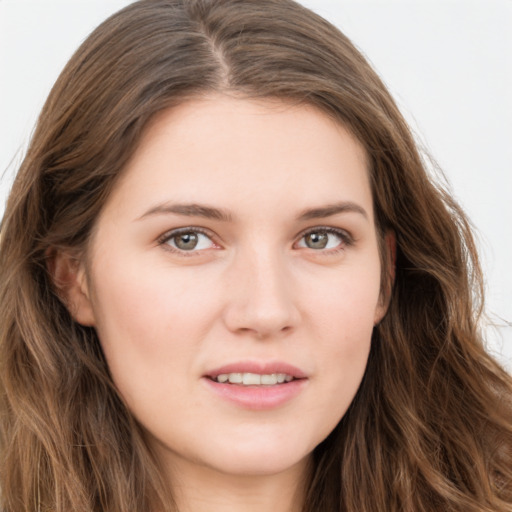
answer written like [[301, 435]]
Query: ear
[[389, 272], [70, 280]]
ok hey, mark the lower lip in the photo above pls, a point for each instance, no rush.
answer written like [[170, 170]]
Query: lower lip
[[257, 398]]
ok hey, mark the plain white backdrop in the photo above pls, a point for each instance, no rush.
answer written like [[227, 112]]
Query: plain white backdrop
[[448, 64]]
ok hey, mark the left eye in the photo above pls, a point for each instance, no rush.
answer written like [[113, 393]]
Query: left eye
[[189, 241], [321, 239]]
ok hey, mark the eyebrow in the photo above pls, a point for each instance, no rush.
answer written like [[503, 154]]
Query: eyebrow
[[189, 210], [333, 209], [210, 212]]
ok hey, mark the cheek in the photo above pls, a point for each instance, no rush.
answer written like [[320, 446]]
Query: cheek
[[150, 322], [345, 332], [344, 307], [146, 297], [343, 324]]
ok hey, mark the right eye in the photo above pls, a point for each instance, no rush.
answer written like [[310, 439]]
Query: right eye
[[187, 240]]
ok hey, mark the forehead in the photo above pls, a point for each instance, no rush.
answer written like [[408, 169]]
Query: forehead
[[239, 151]]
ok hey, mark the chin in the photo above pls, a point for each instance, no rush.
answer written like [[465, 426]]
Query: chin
[[260, 454], [255, 464]]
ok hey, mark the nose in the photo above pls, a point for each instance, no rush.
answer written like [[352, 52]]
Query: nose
[[260, 298]]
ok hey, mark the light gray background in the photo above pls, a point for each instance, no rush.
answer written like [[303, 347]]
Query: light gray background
[[447, 62]]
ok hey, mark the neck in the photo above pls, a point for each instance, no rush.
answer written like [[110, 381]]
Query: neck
[[202, 489]]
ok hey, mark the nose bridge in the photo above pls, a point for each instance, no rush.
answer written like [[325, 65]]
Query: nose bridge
[[260, 296]]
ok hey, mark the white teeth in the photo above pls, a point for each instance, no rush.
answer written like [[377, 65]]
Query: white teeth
[[269, 380], [235, 378], [254, 379], [251, 379]]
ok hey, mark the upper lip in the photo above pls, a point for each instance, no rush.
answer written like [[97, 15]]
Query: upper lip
[[259, 367]]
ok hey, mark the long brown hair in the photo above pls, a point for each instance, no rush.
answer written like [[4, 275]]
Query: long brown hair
[[430, 428]]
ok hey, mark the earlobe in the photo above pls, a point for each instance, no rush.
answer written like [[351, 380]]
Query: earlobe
[[70, 281]]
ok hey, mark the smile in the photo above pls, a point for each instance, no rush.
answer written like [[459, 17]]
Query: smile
[[253, 379], [257, 386]]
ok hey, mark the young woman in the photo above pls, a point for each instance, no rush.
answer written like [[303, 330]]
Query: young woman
[[227, 283]]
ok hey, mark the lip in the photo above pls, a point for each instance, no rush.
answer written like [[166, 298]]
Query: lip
[[257, 398]]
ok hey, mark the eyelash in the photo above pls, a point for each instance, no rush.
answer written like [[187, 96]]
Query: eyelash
[[169, 235], [346, 239]]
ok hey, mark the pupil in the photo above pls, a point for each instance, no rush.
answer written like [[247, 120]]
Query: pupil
[[186, 241], [316, 240]]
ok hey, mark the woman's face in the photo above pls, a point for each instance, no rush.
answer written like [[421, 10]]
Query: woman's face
[[239, 245]]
